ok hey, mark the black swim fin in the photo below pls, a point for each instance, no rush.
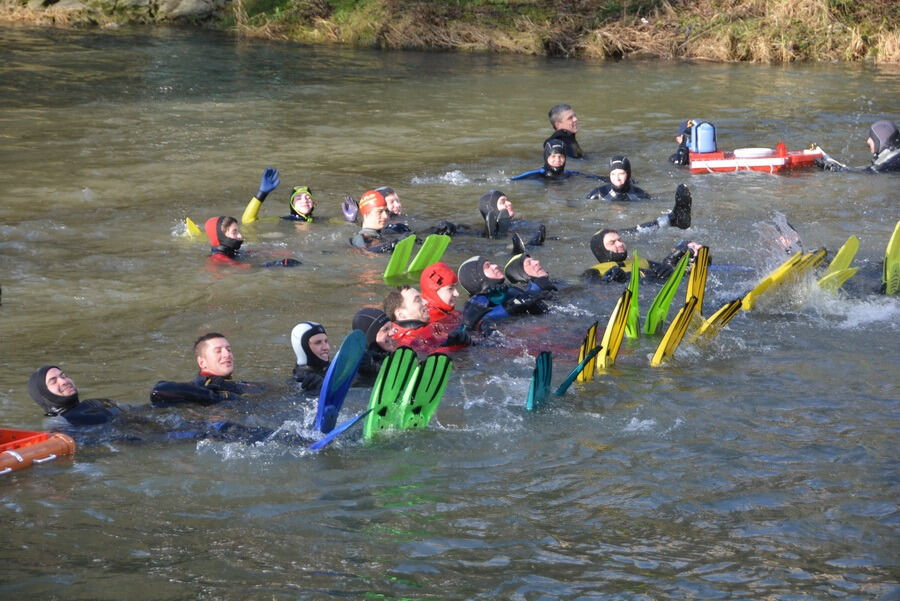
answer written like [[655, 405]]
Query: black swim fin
[[680, 216]]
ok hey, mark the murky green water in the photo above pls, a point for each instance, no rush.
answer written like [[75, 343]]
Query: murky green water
[[763, 465]]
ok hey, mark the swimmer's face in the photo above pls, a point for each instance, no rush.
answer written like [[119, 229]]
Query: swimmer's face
[[504, 204], [59, 383], [492, 271], [393, 203], [568, 121], [679, 138], [233, 231], [376, 219], [215, 357], [303, 203], [533, 268], [384, 336], [448, 294], [618, 177], [319, 346], [871, 144], [613, 243], [414, 306], [556, 160]]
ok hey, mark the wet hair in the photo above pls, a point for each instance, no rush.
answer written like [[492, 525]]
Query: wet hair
[[556, 112], [393, 301], [201, 342]]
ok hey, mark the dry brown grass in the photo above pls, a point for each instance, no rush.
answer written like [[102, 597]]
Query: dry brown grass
[[14, 14], [765, 31], [887, 45]]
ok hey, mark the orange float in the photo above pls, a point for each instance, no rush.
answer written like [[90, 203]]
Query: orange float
[[20, 449]]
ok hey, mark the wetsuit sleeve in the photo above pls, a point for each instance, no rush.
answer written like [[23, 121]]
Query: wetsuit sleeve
[[397, 228], [374, 245], [91, 412], [496, 311], [681, 156], [165, 394], [251, 213], [533, 174]]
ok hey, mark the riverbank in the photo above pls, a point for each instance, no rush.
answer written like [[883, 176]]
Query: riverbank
[[774, 31]]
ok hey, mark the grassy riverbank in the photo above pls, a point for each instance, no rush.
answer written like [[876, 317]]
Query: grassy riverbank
[[771, 31]]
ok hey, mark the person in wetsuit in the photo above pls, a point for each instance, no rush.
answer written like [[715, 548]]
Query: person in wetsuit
[[485, 283], [413, 327], [226, 239], [682, 156], [620, 187], [55, 393], [379, 341], [497, 212], [313, 352], [438, 285], [374, 211], [884, 143], [615, 266], [395, 223], [300, 205], [522, 268], [564, 122], [554, 168]]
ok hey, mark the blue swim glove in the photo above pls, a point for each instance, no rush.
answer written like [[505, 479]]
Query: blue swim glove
[[268, 182]]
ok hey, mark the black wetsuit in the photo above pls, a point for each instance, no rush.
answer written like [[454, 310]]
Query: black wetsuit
[[573, 149], [608, 192]]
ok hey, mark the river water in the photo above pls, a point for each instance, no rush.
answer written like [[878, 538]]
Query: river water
[[760, 465]]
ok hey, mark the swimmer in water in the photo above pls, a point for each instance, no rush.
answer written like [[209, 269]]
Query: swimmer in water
[[884, 144], [313, 353], [620, 187], [565, 125], [486, 285], [56, 394], [615, 266], [554, 168], [225, 238]]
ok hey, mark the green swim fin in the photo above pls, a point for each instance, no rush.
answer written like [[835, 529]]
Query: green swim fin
[[431, 252], [396, 267], [634, 312], [540, 381], [890, 277], [659, 308], [697, 281], [615, 331], [387, 393], [590, 341], [423, 394], [673, 336]]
